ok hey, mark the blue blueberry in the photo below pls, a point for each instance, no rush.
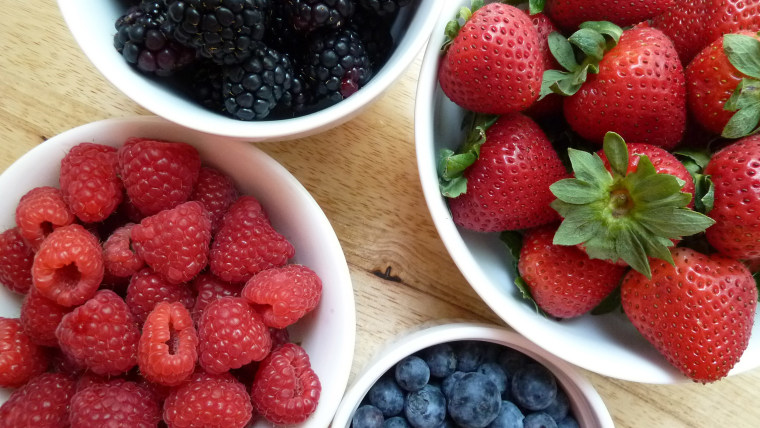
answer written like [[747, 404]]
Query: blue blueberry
[[387, 396], [469, 355], [559, 407], [474, 401], [568, 422], [448, 383], [441, 360], [512, 360], [533, 387], [396, 422], [509, 416], [539, 420], [496, 374], [425, 408], [412, 373], [447, 423], [367, 416]]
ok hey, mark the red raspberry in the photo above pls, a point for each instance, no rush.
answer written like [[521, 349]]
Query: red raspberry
[[158, 175], [15, 261], [39, 211], [101, 334], [41, 403], [120, 259], [216, 191], [147, 288], [60, 362], [246, 243], [40, 317], [175, 242], [209, 401], [114, 404], [286, 390], [283, 295], [231, 334], [209, 288], [280, 336], [20, 358], [89, 180], [167, 351], [89, 379], [68, 268]]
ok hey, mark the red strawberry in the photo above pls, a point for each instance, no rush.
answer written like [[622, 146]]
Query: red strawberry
[[283, 295], [684, 24], [731, 16], [493, 63], [167, 351], [697, 313], [552, 103], [89, 180], [20, 358], [39, 211], [16, 258], [569, 14], [41, 403]]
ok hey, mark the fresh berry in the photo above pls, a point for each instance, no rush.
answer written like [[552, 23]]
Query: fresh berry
[[147, 288], [68, 267], [538, 420], [375, 33], [560, 407], [384, 7], [495, 374], [684, 24], [216, 191], [367, 416], [509, 416], [40, 317], [211, 401], [283, 295], [475, 401], [89, 180], [282, 34], [119, 258], [533, 387], [441, 360], [114, 404], [209, 288], [158, 175], [387, 396], [203, 83], [338, 64], [308, 15], [280, 337], [231, 334], [175, 242], [412, 373], [20, 358], [43, 402], [425, 408], [247, 243], [286, 390], [62, 363], [448, 383], [167, 351], [469, 354], [730, 16], [569, 14], [16, 259], [552, 103], [703, 340], [39, 211], [101, 334]]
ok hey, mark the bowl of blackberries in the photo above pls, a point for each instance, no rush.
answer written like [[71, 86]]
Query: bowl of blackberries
[[258, 70], [469, 375]]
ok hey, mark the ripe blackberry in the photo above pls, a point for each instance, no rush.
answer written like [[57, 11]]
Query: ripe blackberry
[[144, 38], [222, 30], [296, 101], [384, 7], [204, 84], [281, 34], [254, 88], [375, 32], [308, 15]]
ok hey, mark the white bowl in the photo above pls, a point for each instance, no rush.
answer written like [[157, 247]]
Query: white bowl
[[585, 402], [328, 333], [608, 344], [92, 24]]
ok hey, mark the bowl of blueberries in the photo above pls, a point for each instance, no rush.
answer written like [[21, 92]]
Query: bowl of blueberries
[[255, 70], [469, 375]]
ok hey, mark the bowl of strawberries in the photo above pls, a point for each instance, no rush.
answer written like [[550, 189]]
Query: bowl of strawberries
[[595, 178], [147, 261]]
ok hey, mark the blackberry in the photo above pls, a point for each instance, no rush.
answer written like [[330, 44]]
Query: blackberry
[[375, 33], [384, 7], [297, 100], [251, 90], [282, 34], [204, 84], [308, 15], [224, 31], [144, 38]]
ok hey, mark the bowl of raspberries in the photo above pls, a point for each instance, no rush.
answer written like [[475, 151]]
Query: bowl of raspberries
[[149, 277], [469, 375], [258, 70], [594, 172]]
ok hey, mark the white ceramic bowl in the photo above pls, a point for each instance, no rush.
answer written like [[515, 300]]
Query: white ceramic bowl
[[92, 24], [609, 344], [585, 402], [328, 333]]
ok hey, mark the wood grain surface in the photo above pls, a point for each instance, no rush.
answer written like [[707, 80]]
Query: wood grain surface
[[364, 175]]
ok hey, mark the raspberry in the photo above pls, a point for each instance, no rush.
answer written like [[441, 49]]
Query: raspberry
[[39, 211], [68, 267], [89, 180], [283, 295], [158, 175], [231, 335], [114, 404], [280, 336], [42, 403], [15, 261], [216, 192], [286, 390], [147, 288], [209, 401], [90, 379], [175, 242], [60, 362], [209, 288], [101, 334], [119, 258], [246, 243], [167, 351], [20, 358], [40, 317]]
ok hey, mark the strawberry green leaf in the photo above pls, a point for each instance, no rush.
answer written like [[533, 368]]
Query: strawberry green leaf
[[630, 248], [562, 50], [451, 165], [577, 228], [617, 153], [589, 168], [589, 42], [695, 160], [452, 27], [536, 6], [522, 286], [674, 223], [610, 303], [558, 82], [575, 191], [610, 31], [743, 52], [744, 122], [756, 275], [704, 199], [513, 240]]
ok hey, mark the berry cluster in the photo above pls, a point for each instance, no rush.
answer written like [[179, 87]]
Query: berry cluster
[[467, 384], [258, 59], [153, 291]]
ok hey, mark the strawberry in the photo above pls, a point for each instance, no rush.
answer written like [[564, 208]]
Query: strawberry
[[698, 312], [684, 24], [730, 16], [493, 64], [569, 14], [552, 103]]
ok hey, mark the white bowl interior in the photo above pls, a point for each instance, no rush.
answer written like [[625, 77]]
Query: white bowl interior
[[92, 24], [586, 404], [328, 333], [608, 344]]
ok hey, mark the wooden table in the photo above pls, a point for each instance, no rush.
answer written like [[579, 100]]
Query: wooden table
[[364, 175]]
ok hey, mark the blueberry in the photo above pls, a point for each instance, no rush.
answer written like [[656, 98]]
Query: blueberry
[[533, 387], [367, 416], [511, 360], [387, 396], [496, 374], [539, 420], [474, 401], [396, 422], [448, 383], [469, 355], [425, 408], [412, 373], [559, 407], [568, 422], [509, 416], [441, 360]]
